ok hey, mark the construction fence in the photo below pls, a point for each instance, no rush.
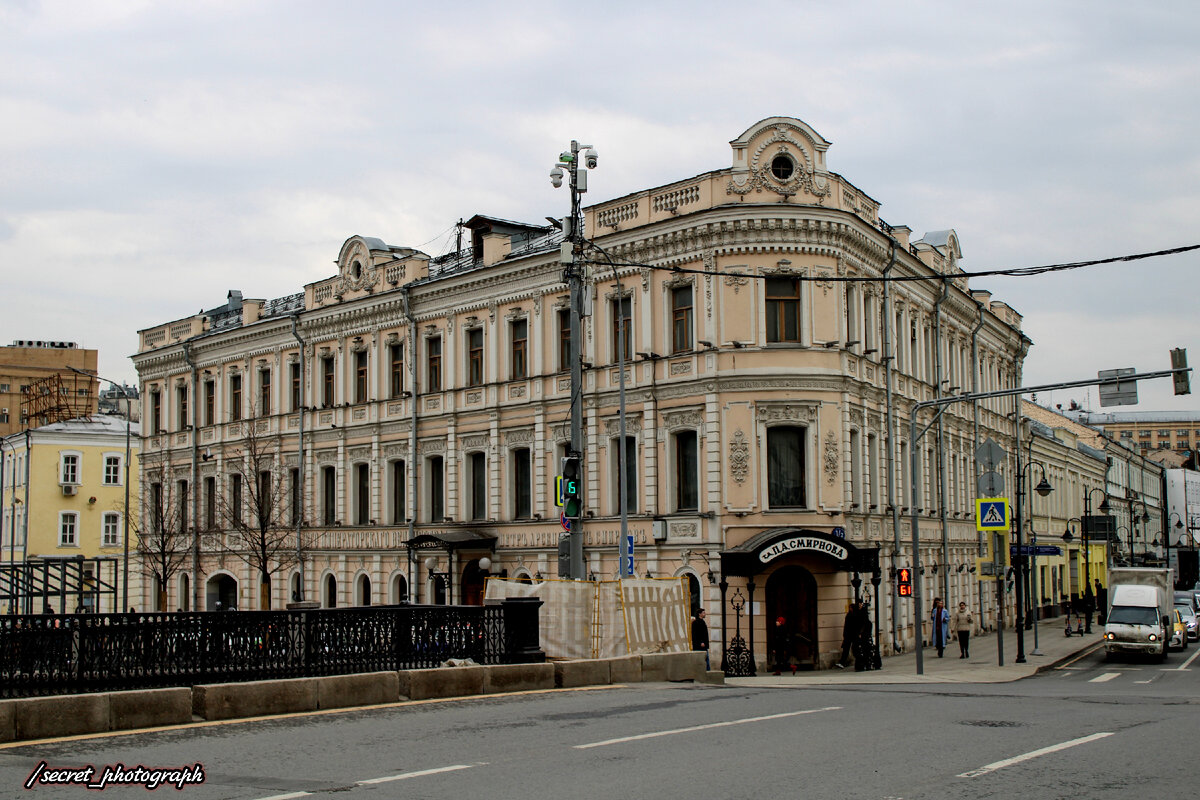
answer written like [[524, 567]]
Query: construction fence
[[605, 619]]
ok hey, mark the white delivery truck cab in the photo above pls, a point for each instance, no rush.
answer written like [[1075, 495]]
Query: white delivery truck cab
[[1139, 613]]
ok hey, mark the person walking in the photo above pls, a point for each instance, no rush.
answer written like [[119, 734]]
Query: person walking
[[700, 636], [941, 625], [961, 622], [850, 627]]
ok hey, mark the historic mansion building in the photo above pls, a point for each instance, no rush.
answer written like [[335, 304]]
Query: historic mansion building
[[419, 406]]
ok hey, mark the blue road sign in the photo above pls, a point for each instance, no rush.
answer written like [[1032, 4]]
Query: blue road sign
[[627, 557]]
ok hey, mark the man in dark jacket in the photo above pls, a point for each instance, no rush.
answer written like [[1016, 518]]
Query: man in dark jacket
[[850, 633], [700, 635]]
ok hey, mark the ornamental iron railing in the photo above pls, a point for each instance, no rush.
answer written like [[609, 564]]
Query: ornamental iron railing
[[76, 653]]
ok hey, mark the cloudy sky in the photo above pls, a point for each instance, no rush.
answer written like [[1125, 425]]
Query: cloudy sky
[[155, 155]]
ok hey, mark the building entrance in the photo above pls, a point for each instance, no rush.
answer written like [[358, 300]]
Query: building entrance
[[792, 596]]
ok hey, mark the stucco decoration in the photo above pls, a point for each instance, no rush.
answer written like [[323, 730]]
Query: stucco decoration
[[739, 457], [633, 425], [524, 436], [356, 269], [475, 442], [787, 412], [735, 277], [831, 458], [789, 138], [690, 418], [431, 446]]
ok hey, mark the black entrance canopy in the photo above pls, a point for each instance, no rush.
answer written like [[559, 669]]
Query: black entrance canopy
[[756, 553], [455, 539]]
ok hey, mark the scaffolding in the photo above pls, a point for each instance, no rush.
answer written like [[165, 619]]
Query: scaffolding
[[53, 399]]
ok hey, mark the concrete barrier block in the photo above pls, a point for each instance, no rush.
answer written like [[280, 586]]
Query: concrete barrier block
[[654, 667], [149, 708], [591, 672], [714, 677], [625, 669], [46, 717], [687, 666], [367, 689], [254, 699], [517, 678], [426, 684], [8, 720]]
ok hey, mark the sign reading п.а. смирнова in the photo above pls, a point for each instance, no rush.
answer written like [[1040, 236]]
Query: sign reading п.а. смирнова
[[804, 543]]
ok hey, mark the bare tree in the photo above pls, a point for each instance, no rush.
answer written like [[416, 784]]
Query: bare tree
[[164, 538], [256, 506]]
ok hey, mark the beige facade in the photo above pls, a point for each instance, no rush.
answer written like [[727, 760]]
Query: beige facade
[[434, 398]]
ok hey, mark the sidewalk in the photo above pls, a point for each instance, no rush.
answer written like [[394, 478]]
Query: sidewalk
[[981, 667]]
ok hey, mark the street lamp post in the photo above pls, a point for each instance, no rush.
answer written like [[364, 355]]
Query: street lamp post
[[1167, 537], [125, 525], [1022, 560], [1085, 527]]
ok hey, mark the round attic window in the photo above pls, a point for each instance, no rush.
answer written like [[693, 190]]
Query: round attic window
[[782, 167], [356, 270]]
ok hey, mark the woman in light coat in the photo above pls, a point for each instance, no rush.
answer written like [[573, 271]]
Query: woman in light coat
[[961, 622]]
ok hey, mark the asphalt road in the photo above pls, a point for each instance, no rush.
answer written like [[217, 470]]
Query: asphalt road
[[1088, 729]]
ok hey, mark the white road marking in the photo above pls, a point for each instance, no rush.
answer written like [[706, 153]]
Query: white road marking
[[290, 796], [1188, 663], [1054, 748], [418, 774], [1149, 681], [709, 726], [1108, 676]]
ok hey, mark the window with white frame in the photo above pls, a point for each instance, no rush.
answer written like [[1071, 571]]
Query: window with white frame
[[68, 529], [785, 467], [112, 470], [110, 529], [687, 480], [69, 468]]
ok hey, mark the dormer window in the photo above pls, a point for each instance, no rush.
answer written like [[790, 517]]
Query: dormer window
[[356, 270]]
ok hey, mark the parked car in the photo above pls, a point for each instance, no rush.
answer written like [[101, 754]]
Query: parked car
[[1178, 640], [1190, 620]]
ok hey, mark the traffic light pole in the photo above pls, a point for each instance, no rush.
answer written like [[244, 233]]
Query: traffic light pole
[[914, 437]]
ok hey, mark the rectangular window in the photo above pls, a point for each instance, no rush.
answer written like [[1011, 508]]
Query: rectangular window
[[263, 505], [112, 470], [68, 523], [437, 495], [433, 351], [181, 405], [396, 370], [783, 310], [399, 493], [327, 396], [155, 412], [210, 402], [264, 392], [294, 369], [681, 319], [328, 494], [475, 357], [70, 469], [478, 486], [631, 480], [1126, 434], [687, 489], [210, 503], [785, 467], [156, 508], [360, 376], [294, 498], [564, 339], [520, 343], [184, 506], [362, 494], [1182, 433], [110, 530], [522, 484], [235, 498], [622, 316], [235, 397]]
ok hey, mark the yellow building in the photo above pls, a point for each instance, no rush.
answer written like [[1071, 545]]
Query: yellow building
[[63, 494], [414, 407]]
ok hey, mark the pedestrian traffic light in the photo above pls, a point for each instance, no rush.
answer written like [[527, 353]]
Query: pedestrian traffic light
[[572, 489], [904, 582]]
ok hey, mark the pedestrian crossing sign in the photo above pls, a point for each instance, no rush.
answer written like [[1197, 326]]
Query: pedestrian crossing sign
[[991, 514]]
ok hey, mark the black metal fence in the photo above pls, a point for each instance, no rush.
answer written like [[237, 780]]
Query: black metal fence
[[74, 653]]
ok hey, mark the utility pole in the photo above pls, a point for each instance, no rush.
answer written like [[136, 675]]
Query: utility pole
[[570, 546]]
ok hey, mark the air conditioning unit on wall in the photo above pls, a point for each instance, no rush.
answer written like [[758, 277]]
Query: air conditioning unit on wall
[[70, 489]]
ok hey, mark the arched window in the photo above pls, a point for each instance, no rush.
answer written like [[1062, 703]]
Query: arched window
[[362, 592], [330, 591]]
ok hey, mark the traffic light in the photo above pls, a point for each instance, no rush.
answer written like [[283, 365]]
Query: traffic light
[[572, 488], [1183, 380], [904, 582]]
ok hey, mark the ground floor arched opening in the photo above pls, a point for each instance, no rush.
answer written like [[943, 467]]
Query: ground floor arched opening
[[221, 592]]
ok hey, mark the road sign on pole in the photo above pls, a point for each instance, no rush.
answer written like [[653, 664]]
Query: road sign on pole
[[989, 454], [1121, 393], [990, 484], [991, 514], [627, 556]]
